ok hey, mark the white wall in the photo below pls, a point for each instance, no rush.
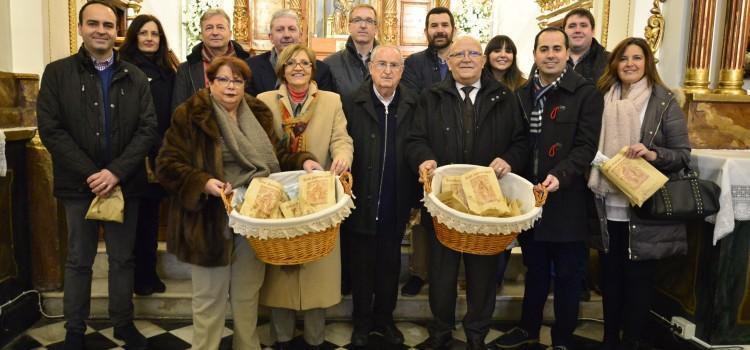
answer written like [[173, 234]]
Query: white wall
[[22, 36], [169, 12], [517, 19], [673, 52]]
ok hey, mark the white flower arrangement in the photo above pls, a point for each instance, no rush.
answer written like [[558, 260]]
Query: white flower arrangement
[[191, 17], [474, 18]]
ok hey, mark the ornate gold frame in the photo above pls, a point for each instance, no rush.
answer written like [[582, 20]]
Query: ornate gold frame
[[72, 26], [553, 9]]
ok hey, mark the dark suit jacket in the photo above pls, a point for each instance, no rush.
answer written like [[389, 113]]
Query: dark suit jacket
[[264, 75]]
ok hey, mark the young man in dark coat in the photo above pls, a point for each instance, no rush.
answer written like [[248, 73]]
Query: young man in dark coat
[[191, 74], [425, 68], [587, 57], [97, 120], [284, 31], [421, 71], [473, 119], [563, 111], [379, 117]]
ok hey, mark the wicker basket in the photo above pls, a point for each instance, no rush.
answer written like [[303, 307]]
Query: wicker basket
[[302, 248], [469, 239]]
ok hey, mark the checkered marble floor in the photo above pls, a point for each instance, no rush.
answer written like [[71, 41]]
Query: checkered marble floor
[[177, 334]]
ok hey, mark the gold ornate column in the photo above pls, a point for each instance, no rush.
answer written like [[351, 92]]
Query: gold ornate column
[[699, 49], [390, 23], [654, 31], [240, 27], [733, 53]]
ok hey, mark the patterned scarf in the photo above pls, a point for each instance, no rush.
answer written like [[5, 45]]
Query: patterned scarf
[[539, 93], [294, 126], [207, 56]]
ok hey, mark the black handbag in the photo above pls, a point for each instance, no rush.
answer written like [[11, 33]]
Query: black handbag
[[683, 197]]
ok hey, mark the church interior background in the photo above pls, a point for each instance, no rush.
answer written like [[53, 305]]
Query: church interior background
[[702, 48]]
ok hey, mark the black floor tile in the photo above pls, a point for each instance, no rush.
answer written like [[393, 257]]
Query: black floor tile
[[92, 341], [23, 342], [167, 341], [226, 343], [170, 325]]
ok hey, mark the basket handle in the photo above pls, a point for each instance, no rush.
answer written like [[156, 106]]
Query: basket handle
[[347, 180], [227, 200], [540, 195], [426, 180]]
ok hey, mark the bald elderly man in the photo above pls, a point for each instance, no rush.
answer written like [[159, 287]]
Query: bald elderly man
[[468, 119]]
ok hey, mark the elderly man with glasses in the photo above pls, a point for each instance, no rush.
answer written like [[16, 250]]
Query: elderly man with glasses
[[379, 116], [468, 118]]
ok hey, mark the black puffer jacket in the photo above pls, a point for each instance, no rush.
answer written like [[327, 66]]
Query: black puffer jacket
[[664, 130], [593, 64], [69, 113], [348, 70], [363, 126]]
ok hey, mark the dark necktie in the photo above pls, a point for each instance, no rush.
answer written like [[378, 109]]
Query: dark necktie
[[468, 122]]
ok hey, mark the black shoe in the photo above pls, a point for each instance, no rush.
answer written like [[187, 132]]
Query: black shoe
[[476, 344], [73, 341], [412, 286], [133, 339], [435, 343], [513, 339], [143, 289], [360, 337], [585, 295], [282, 345], [391, 334], [560, 347], [157, 285]]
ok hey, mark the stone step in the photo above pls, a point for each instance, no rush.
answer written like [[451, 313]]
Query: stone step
[[176, 303], [168, 267]]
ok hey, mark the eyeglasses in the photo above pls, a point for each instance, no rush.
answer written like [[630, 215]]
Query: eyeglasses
[[461, 54], [224, 81], [304, 64], [360, 20], [382, 65]]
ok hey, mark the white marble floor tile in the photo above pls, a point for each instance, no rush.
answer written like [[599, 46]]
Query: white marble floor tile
[[413, 333], [339, 333]]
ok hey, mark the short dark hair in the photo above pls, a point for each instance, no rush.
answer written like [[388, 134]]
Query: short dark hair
[[551, 29], [238, 67], [96, 2], [580, 12], [436, 11]]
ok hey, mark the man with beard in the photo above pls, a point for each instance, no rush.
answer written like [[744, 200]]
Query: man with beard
[[284, 31], [422, 70], [215, 34], [430, 66]]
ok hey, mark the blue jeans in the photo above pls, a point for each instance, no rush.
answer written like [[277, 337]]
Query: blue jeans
[[83, 238]]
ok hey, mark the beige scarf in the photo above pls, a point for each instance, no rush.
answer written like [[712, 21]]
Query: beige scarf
[[621, 126]]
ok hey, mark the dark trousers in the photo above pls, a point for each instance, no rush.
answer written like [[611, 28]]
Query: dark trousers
[[146, 235], [480, 290], [83, 238], [627, 289], [502, 264], [565, 260], [375, 267]]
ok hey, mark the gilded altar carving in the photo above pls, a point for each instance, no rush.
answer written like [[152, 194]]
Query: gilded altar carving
[[654, 31], [240, 21]]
